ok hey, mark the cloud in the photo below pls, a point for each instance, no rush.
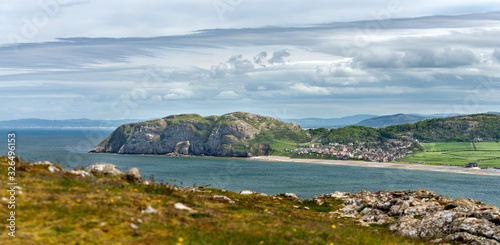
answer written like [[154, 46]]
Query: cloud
[[278, 57], [260, 57], [309, 89], [496, 54], [412, 62], [178, 93], [227, 95], [236, 65]]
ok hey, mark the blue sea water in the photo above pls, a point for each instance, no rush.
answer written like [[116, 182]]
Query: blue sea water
[[69, 147]]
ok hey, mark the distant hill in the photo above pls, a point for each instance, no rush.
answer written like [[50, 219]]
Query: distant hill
[[384, 121], [237, 134], [329, 122], [79, 123], [460, 128]]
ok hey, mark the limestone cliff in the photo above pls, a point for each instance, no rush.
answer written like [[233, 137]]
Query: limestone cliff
[[233, 134]]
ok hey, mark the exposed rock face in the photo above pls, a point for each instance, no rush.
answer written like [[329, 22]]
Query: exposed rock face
[[133, 175], [421, 213], [227, 135], [103, 168]]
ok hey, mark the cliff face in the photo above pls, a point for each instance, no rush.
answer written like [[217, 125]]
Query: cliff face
[[191, 134]]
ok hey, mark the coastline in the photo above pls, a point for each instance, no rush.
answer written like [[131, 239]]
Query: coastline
[[402, 166]]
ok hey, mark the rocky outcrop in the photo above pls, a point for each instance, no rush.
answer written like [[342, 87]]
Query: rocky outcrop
[[133, 175], [232, 135], [422, 213], [103, 168]]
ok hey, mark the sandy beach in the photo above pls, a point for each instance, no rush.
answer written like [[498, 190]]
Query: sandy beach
[[434, 168]]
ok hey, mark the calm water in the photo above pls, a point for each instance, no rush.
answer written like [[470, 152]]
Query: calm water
[[69, 148]]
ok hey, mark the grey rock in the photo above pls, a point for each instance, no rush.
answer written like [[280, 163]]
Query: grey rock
[[133, 175], [223, 198], [246, 192], [150, 210], [80, 173], [422, 214], [104, 169]]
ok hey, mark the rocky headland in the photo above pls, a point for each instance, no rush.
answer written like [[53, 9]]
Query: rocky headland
[[229, 135]]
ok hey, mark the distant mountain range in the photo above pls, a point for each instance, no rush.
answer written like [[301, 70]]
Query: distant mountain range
[[368, 120], [76, 123], [329, 122], [384, 121]]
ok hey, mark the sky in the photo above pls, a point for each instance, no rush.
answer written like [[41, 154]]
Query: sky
[[67, 59]]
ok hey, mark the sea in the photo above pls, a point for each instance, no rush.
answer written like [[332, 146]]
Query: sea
[[69, 147]]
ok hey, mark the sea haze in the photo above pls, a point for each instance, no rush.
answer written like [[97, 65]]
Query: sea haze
[[69, 148]]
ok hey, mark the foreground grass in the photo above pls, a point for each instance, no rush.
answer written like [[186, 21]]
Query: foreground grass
[[61, 208], [460, 153]]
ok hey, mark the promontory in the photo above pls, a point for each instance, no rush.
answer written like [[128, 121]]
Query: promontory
[[237, 134]]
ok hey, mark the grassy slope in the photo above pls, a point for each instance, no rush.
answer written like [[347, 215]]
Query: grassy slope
[[484, 153], [61, 208]]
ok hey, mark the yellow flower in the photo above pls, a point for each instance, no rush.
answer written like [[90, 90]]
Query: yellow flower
[[106, 189], [159, 201], [294, 230], [111, 200], [97, 191], [261, 242], [334, 227], [149, 199], [265, 210], [78, 200], [180, 239], [178, 243], [131, 199]]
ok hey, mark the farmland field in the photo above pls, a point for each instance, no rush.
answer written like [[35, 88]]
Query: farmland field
[[460, 153]]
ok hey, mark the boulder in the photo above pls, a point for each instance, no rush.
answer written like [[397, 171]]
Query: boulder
[[223, 198], [104, 169], [133, 175], [246, 192], [80, 173]]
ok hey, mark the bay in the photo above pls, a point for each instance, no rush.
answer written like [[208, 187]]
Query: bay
[[69, 148]]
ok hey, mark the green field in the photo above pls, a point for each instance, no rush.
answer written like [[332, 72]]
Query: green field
[[460, 153]]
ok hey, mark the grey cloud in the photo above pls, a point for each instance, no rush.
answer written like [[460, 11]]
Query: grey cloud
[[496, 54], [260, 57], [423, 58], [278, 56], [236, 65]]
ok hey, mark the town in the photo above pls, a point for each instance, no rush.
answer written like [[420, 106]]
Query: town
[[377, 151]]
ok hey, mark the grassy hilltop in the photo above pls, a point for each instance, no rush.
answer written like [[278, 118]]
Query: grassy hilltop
[[59, 208]]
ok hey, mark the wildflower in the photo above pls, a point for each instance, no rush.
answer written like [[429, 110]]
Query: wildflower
[[135, 190], [106, 189], [261, 242], [294, 230], [78, 200], [149, 199], [97, 191], [111, 200], [159, 201], [334, 227], [265, 210], [180, 239]]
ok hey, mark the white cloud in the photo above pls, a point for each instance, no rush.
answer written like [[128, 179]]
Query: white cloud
[[178, 93], [227, 95], [309, 89]]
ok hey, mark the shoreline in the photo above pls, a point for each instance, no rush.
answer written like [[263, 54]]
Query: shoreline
[[402, 166]]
